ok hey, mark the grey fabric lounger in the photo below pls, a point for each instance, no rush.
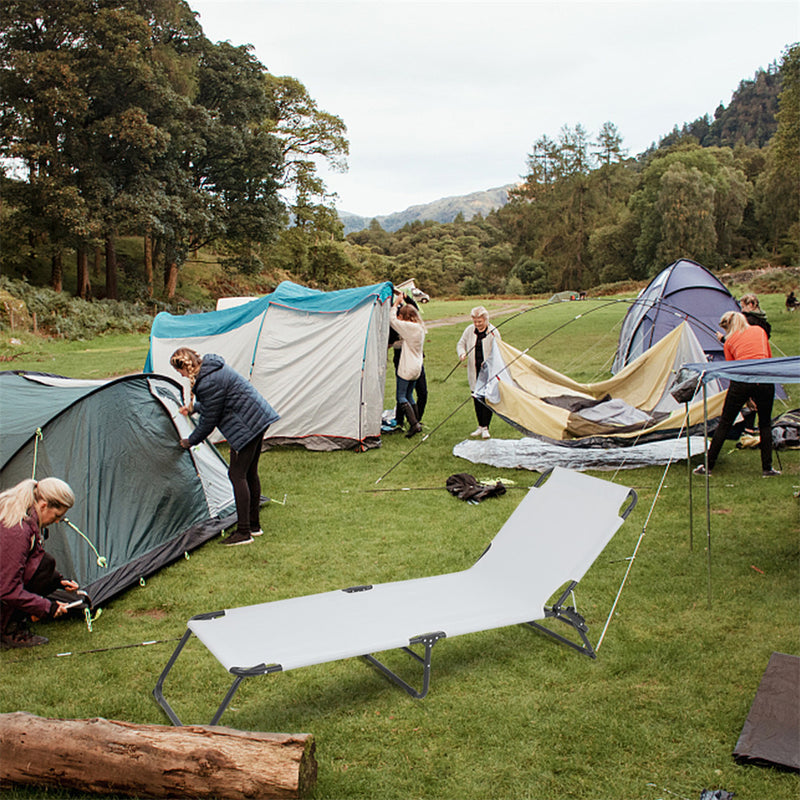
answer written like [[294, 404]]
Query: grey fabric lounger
[[548, 543]]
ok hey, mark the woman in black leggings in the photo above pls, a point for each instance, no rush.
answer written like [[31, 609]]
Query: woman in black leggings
[[225, 400]]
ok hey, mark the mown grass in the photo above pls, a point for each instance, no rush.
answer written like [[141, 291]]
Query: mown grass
[[510, 713]]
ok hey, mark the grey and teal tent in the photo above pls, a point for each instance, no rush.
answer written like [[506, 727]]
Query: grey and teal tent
[[319, 358], [142, 501], [683, 292]]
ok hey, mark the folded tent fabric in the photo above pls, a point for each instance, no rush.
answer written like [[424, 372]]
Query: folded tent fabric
[[524, 392]]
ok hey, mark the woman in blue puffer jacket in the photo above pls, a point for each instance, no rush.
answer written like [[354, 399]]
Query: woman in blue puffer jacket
[[225, 400]]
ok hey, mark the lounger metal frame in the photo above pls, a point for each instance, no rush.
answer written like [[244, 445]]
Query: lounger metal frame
[[568, 616]]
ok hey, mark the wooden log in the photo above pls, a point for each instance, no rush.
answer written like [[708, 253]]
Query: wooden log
[[110, 757]]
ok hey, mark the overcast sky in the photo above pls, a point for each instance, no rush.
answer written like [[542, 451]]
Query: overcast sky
[[446, 98]]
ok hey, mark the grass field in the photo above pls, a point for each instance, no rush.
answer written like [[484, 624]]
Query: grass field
[[510, 714]]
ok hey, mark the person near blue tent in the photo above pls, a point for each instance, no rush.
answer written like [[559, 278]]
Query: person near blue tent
[[474, 347], [223, 399], [421, 384], [407, 322], [28, 573], [754, 314], [743, 342]]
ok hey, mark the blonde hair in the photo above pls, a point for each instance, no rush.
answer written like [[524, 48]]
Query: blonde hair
[[16, 502], [188, 359], [733, 322]]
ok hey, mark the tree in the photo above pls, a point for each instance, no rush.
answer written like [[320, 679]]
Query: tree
[[709, 194], [307, 135], [236, 161], [685, 204], [778, 188], [43, 102]]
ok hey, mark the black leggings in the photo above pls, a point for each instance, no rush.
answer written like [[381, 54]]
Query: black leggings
[[45, 580], [738, 394], [243, 474], [482, 411]]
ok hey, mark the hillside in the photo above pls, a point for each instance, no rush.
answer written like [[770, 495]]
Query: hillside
[[444, 210]]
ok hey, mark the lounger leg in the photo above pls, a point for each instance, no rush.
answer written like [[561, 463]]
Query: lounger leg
[[572, 618], [158, 690], [428, 641]]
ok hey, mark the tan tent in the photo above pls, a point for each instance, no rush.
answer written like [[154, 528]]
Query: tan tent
[[633, 405]]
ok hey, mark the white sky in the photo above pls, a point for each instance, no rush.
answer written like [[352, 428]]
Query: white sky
[[447, 98]]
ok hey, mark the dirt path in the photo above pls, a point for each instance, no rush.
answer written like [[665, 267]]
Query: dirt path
[[465, 318]]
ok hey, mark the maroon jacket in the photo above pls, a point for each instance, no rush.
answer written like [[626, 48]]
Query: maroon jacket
[[21, 553]]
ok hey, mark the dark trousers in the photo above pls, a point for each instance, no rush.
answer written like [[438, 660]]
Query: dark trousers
[[420, 390], [482, 412], [763, 395], [45, 580], [243, 474]]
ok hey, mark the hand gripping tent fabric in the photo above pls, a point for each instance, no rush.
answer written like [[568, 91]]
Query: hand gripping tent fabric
[[542, 551], [319, 358], [141, 501], [684, 291]]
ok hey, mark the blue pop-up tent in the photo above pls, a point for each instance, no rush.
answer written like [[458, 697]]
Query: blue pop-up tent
[[683, 292]]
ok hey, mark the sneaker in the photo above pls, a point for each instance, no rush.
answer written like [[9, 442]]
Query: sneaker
[[238, 538], [485, 434], [259, 532], [477, 433], [700, 469], [22, 638], [770, 473]]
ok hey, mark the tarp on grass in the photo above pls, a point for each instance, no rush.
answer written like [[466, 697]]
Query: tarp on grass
[[539, 455], [771, 733]]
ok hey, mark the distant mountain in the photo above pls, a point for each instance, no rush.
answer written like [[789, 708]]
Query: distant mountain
[[444, 210]]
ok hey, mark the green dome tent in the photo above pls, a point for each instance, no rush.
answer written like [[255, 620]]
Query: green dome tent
[[140, 499]]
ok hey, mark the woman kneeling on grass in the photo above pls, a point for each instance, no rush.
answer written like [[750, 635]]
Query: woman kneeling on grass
[[225, 400], [744, 341], [27, 573]]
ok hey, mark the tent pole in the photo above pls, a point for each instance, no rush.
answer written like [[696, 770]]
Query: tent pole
[[708, 489], [689, 473]]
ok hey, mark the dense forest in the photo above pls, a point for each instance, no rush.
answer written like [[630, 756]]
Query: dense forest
[[125, 122]]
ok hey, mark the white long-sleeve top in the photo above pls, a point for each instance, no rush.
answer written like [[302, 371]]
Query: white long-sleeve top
[[412, 335], [466, 347]]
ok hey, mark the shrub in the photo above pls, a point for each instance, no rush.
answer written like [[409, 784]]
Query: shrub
[[57, 314]]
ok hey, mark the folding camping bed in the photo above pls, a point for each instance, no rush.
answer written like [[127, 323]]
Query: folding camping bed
[[549, 542]]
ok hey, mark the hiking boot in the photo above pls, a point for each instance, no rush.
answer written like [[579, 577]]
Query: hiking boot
[[770, 473], [238, 538], [414, 426], [701, 470], [21, 638]]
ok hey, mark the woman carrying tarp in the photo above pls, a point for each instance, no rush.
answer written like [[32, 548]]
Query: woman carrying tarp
[[475, 347], [405, 319], [742, 342], [27, 573], [225, 400]]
